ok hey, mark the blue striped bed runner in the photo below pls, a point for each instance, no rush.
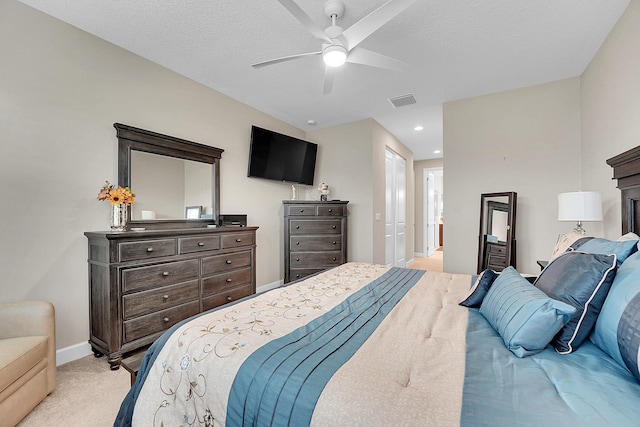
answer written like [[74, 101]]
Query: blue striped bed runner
[[280, 383]]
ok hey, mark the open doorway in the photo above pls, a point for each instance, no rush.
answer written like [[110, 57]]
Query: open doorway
[[432, 221]]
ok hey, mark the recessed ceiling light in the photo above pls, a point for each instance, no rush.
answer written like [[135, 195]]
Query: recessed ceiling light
[[311, 122], [418, 127], [437, 152]]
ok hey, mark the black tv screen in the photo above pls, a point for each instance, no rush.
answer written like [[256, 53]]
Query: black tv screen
[[280, 157]]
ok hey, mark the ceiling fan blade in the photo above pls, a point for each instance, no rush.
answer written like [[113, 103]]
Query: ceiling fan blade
[[284, 59], [376, 19], [329, 74], [304, 19], [374, 59]]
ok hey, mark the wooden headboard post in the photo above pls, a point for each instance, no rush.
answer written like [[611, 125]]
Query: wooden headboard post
[[626, 169]]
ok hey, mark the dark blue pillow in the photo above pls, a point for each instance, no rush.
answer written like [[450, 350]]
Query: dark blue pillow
[[582, 280], [480, 289]]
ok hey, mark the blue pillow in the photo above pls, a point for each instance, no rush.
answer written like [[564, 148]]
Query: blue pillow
[[524, 316], [595, 245], [480, 289], [617, 330], [582, 280]]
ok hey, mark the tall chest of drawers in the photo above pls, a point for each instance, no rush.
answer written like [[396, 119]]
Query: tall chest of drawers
[[315, 237], [142, 283]]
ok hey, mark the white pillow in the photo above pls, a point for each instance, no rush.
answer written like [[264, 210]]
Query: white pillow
[[564, 242]]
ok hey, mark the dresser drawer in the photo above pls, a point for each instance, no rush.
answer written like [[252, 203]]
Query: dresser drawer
[[169, 273], [231, 279], [316, 243], [146, 302], [225, 297], [299, 273], [301, 210], [315, 259], [496, 248], [238, 239], [132, 251], [330, 210], [158, 321], [197, 244], [330, 226], [219, 263]]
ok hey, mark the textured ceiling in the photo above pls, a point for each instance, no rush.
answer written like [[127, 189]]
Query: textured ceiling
[[455, 49]]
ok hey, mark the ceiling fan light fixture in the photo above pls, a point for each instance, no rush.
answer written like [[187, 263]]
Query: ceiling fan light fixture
[[334, 55]]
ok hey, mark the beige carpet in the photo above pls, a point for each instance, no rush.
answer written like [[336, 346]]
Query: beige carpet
[[432, 263], [88, 393]]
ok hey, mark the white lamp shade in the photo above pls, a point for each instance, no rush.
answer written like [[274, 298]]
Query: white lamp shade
[[580, 206]]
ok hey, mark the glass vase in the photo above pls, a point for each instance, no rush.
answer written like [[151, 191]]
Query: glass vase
[[119, 217]]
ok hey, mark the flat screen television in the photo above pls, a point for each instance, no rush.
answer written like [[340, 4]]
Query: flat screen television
[[280, 157]]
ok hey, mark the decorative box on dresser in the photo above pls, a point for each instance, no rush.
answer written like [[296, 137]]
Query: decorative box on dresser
[[315, 237], [142, 283]]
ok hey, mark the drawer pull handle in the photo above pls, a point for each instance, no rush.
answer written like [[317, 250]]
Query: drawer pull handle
[[301, 210], [334, 258], [165, 297], [166, 320], [335, 243], [334, 227], [229, 280], [297, 276], [229, 299], [238, 240], [297, 243], [165, 273], [297, 259], [200, 244], [228, 261], [330, 210], [149, 249], [297, 227]]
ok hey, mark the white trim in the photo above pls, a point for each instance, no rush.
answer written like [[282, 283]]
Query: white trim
[[409, 263], [73, 352], [269, 286], [419, 255]]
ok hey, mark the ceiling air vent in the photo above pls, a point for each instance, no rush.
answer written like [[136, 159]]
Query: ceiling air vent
[[401, 101]]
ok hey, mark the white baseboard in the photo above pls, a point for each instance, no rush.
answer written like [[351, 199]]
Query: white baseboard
[[409, 263], [80, 350], [419, 254], [269, 286], [71, 353]]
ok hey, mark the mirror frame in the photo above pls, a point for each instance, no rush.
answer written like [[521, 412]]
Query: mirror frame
[[486, 209], [131, 138]]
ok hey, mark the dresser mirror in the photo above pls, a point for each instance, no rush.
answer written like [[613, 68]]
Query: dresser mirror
[[497, 237], [168, 175]]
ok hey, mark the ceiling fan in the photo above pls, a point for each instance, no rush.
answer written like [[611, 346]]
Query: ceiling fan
[[339, 45]]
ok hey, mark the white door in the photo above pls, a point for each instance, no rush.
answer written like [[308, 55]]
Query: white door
[[430, 213], [395, 213]]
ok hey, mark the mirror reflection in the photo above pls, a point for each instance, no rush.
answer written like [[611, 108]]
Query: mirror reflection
[[166, 186], [497, 243]]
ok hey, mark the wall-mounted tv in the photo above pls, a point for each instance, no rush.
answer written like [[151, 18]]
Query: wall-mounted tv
[[280, 157]]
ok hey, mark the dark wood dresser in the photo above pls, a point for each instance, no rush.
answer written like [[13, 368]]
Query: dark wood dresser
[[142, 283], [315, 237]]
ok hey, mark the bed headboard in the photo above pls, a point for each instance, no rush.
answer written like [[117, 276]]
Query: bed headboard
[[626, 169]]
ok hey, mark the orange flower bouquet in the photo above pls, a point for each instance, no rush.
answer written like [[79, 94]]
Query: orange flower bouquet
[[120, 199], [116, 195]]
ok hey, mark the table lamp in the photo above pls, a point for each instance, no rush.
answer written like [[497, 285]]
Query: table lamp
[[580, 206]]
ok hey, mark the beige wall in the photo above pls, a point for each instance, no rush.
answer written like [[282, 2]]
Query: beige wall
[[419, 167], [524, 140], [62, 89], [611, 111]]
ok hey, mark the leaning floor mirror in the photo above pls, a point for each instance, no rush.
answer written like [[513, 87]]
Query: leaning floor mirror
[[497, 237]]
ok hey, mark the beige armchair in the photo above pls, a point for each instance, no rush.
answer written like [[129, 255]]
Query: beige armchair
[[27, 358]]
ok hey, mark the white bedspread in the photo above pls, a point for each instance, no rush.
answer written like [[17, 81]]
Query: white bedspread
[[409, 372]]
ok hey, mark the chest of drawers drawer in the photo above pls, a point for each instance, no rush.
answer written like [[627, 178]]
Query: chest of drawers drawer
[[198, 244], [300, 210], [145, 302], [220, 282], [330, 210], [315, 259], [219, 263], [147, 249], [236, 240], [331, 226], [168, 273], [158, 321], [316, 243], [225, 297]]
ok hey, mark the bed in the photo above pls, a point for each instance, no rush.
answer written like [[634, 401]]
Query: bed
[[369, 345]]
